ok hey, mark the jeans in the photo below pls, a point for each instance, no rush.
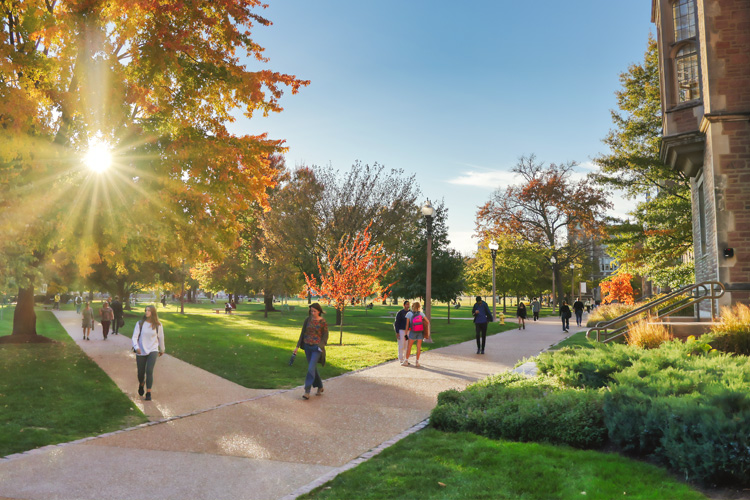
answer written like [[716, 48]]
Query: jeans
[[116, 325], [402, 343], [579, 317], [565, 322], [481, 329], [146, 368], [312, 379]]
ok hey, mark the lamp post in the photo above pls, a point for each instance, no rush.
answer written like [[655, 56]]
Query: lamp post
[[572, 282], [427, 212], [553, 260], [493, 251]]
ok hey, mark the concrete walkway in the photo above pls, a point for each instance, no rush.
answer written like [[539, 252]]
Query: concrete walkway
[[212, 439]]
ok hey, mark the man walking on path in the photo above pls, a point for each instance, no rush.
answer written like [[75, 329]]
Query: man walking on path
[[535, 308], [578, 309], [117, 311], [482, 316], [57, 302], [400, 326]]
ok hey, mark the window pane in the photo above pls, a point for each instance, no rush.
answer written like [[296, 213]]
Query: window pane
[[683, 13], [687, 74]]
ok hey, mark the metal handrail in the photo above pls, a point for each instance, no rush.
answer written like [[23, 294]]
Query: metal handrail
[[709, 289]]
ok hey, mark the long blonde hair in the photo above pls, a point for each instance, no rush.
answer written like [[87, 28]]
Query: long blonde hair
[[154, 318], [416, 306]]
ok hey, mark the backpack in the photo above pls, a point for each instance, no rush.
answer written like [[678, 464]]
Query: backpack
[[417, 323]]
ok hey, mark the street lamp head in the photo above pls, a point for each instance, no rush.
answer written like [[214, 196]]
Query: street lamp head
[[493, 245], [572, 266], [427, 209], [553, 259]]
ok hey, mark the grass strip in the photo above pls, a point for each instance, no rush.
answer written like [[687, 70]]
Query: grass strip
[[53, 393], [433, 465]]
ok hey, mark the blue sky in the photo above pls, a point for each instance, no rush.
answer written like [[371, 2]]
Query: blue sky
[[454, 92]]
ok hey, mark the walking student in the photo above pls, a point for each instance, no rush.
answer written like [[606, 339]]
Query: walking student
[[400, 326], [578, 309], [313, 340], [78, 302], [482, 316], [87, 321], [117, 311], [565, 315], [521, 315], [148, 344], [107, 315], [535, 308], [416, 325]]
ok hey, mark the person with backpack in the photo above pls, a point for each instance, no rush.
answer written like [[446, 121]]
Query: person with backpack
[[400, 326], [107, 315], [313, 340], [78, 302], [148, 344], [565, 315], [416, 326], [482, 316]]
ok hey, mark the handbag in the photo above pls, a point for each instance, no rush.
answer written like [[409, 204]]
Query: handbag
[[120, 322]]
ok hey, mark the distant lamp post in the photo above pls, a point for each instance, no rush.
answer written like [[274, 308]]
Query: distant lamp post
[[553, 261], [572, 282], [493, 250], [428, 212]]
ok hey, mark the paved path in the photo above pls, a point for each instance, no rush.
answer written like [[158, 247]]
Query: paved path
[[212, 439]]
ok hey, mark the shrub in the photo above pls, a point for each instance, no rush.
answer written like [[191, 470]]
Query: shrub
[[608, 313], [647, 335], [591, 368], [511, 406], [732, 334]]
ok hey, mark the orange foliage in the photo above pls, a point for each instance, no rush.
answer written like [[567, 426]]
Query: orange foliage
[[617, 288]]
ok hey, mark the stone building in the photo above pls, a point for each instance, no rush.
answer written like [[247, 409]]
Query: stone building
[[704, 62]]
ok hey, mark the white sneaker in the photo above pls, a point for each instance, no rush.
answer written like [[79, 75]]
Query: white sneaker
[[405, 363]]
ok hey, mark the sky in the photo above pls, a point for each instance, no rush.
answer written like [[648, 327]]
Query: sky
[[453, 92]]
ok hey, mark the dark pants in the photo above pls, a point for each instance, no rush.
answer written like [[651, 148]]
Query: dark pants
[[565, 322], [146, 368], [105, 328], [312, 379], [536, 315], [579, 317], [481, 329], [116, 325]]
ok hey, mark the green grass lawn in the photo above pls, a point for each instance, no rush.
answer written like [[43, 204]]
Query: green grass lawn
[[254, 351], [474, 467], [53, 393]]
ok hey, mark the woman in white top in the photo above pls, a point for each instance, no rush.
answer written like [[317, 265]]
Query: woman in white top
[[148, 344]]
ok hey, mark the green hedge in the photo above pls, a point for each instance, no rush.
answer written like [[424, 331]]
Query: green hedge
[[511, 406], [685, 405]]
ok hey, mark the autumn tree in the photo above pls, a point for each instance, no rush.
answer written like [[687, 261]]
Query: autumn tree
[[354, 271], [547, 210], [653, 244], [617, 288], [155, 83]]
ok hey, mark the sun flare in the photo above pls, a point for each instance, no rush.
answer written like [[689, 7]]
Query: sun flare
[[98, 157]]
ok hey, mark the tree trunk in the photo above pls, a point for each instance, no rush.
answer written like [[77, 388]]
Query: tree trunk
[[341, 326], [449, 312], [268, 301], [339, 318], [24, 317]]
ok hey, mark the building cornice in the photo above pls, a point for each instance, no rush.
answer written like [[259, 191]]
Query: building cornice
[[684, 152], [710, 118]]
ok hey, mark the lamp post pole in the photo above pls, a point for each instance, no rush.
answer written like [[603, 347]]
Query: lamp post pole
[[553, 260], [572, 282], [428, 212], [493, 251]]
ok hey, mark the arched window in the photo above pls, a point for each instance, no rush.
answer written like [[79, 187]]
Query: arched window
[[686, 65], [683, 14]]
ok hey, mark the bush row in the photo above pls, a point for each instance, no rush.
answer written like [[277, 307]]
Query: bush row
[[685, 405]]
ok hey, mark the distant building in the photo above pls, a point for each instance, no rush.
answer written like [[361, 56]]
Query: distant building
[[704, 64]]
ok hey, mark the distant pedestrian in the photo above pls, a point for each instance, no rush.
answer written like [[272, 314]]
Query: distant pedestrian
[[482, 316], [117, 311], [87, 320], [535, 308], [148, 344], [578, 309], [416, 326], [313, 339], [164, 300], [227, 308], [588, 305], [521, 315], [565, 315], [107, 315], [57, 302], [399, 325], [78, 302]]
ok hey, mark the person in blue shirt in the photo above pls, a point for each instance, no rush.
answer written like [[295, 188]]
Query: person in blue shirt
[[400, 326], [482, 316]]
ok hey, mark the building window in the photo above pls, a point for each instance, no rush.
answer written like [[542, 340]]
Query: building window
[[683, 14], [688, 86]]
